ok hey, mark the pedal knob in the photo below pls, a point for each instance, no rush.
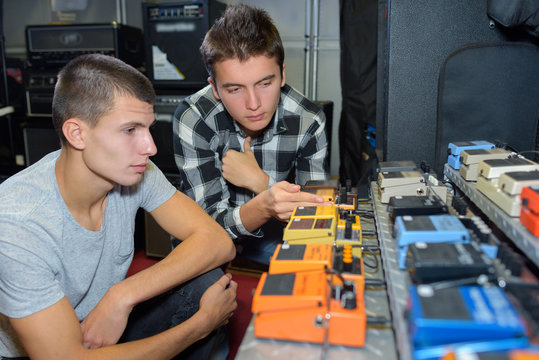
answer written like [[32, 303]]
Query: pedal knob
[[347, 258], [348, 300]]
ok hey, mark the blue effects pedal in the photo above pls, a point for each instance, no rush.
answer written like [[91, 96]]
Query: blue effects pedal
[[460, 314], [454, 149], [508, 349], [429, 229]]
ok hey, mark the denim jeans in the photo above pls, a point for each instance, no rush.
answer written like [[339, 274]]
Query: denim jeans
[[262, 249], [174, 307]]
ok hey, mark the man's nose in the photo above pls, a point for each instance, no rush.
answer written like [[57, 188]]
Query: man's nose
[[149, 145], [253, 100]]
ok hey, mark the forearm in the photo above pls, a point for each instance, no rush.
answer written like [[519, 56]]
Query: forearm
[[164, 345], [261, 183], [254, 213], [192, 257], [54, 333]]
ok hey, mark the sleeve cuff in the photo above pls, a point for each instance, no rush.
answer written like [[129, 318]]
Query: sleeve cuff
[[271, 182], [239, 225]]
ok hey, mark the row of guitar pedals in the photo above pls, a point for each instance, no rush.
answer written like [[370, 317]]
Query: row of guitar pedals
[[506, 178], [464, 277], [315, 287]]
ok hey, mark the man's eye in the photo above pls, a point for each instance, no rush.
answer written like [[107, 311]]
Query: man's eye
[[129, 130], [233, 90]]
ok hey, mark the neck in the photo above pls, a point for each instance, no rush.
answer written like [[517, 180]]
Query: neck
[[84, 196]]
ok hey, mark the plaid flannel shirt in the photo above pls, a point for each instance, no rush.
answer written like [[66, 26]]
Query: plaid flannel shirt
[[292, 148]]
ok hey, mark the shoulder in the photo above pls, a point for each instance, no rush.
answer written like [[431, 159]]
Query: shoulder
[[25, 192], [299, 114], [200, 105], [201, 116], [295, 102], [155, 188]]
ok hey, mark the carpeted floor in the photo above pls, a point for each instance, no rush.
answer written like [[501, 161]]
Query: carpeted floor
[[244, 273]]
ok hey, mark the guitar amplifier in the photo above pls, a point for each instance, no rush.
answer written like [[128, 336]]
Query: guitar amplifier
[[173, 33], [54, 45], [49, 47]]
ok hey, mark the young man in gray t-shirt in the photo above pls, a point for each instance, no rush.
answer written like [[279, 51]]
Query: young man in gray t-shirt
[[67, 234]]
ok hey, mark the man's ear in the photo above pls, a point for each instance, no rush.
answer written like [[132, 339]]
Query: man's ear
[[72, 130], [214, 89]]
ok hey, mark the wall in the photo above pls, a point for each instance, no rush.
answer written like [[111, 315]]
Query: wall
[[289, 17]]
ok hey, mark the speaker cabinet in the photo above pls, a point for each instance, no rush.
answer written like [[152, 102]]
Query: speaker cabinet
[[157, 241], [38, 142], [173, 33]]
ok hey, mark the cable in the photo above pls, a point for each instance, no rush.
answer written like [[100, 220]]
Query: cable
[[363, 199], [335, 272], [369, 247], [363, 212], [375, 283], [446, 284], [370, 266], [535, 152], [378, 320]]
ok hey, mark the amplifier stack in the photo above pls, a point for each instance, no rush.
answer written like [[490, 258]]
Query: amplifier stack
[[49, 47]]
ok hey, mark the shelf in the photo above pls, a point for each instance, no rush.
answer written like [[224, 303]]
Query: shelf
[[398, 281], [510, 226], [6, 110]]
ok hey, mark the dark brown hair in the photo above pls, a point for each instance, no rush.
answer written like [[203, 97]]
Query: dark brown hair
[[242, 32], [88, 86]]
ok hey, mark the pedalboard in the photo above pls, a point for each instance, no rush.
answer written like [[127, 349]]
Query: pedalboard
[[513, 182], [312, 293], [402, 183], [429, 229], [434, 262], [345, 260], [529, 212], [305, 306], [490, 169], [461, 313], [510, 204], [455, 148], [399, 178], [391, 166], [470, 160], [415, 205]]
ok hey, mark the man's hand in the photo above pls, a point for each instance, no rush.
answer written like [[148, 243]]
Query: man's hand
[[282, 198], [219, 302], [105, 323], [241, 169]]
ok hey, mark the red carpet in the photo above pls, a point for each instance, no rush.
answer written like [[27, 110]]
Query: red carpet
[[242, 316]]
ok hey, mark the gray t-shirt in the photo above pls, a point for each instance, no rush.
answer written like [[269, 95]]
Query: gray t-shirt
[[46, 255]]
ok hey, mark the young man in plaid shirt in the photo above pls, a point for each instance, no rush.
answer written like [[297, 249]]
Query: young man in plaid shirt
[[246, 142]]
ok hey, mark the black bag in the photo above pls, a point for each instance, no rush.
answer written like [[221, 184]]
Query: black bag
[[516, 14], [488, 92]]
